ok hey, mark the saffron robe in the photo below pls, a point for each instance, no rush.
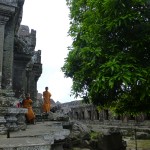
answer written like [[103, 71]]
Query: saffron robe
[[46, 104], [30, 116]]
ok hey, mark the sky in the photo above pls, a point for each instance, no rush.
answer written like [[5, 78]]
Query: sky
[[50, 19]]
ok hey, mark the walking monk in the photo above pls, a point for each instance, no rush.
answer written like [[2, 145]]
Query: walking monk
[[46, 97], [27, 103]]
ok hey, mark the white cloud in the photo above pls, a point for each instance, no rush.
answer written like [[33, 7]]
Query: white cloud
[[50, 20]]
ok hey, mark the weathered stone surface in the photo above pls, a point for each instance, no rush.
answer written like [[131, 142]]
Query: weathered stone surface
[[9, 2], [78, 110], [10, 120], [111, 141], [2, 119], [80, 128], [18, 71], [78, 136], [22, 39], [25, 41], [37, 57], [28, 143], [27, 63], [40, 136], [17, 46], [142, 135], [12, 12], [7, 8], [11, 110]]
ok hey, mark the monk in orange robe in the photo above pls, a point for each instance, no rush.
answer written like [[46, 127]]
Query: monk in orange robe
[[46, 97], [27, 103]]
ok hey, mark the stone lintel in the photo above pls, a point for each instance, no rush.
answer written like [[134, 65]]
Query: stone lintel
[[22, 57], [9, 2], [6, 10]]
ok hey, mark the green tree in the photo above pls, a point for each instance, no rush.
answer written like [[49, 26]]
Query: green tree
[[109, 59]]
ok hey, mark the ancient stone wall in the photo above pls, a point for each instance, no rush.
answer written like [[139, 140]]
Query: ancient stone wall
[[87, 112]]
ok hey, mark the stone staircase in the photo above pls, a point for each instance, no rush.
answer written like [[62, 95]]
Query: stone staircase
[[41, 136]]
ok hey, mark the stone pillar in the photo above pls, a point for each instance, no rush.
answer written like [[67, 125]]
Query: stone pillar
[[32, 86], [37, 70], [28, 72], [8, 56], [3, 20], [7, 27]]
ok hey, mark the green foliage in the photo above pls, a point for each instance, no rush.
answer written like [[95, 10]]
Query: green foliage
[[95, 135], [109, 60]]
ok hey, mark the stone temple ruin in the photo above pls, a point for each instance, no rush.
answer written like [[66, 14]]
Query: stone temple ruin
[[20, 69], [77, 110], [20, 64]]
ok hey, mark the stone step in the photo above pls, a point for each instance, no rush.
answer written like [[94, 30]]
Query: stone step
[[27, 143], [41, 136]]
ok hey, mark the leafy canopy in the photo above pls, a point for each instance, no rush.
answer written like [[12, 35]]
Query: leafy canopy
[[109, 59]]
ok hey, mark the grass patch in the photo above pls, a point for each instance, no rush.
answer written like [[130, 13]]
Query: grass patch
[[142, 144]]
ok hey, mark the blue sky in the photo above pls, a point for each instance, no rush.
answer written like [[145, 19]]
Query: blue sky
[[50, 20]]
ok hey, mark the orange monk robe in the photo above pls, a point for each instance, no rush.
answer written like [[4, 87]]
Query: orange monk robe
[[46, 104], [27, 103]]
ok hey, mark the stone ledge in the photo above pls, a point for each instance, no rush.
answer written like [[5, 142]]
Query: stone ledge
[[9, 110]]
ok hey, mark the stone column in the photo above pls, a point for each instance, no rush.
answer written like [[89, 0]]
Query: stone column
[[8, 56], [3, 20], [29, 75], [37, 69], [7, 15], [32, 86]]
